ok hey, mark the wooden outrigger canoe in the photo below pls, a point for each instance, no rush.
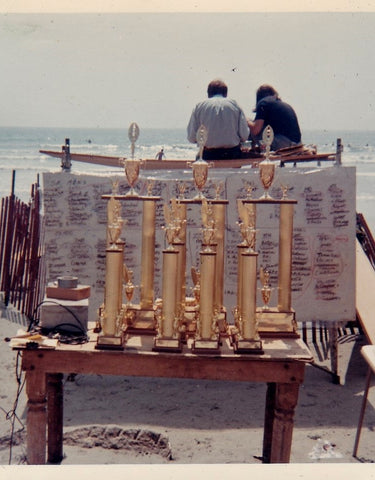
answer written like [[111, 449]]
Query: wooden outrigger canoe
[[151, 164], [293, 155]]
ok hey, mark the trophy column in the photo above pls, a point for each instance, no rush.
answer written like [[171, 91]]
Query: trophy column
[[142, 316], [218, 207], [246, 339], [112, 336], [207, 332], [179, 244], [148, 254], [168, 335], [110, 317], [285, 256]]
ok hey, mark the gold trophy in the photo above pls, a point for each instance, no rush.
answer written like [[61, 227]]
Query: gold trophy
[[168, 336], [112, 334], [200, 167], [266, 167], [207, 334], [244, 336]]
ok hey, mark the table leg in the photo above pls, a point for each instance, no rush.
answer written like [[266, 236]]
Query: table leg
[[279, 420], [36, 417], [268, 422], [55, 400]]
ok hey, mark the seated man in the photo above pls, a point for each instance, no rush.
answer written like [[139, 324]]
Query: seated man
[[225, 122], [271, 110]]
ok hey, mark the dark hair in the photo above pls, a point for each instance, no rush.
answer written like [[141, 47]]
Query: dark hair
[[217, 87], [266, 91]]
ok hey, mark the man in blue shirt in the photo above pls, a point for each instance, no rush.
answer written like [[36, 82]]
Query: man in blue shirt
[[224, 120], [271, 110]]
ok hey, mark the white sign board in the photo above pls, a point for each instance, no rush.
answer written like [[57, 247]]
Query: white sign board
[[323, 265]]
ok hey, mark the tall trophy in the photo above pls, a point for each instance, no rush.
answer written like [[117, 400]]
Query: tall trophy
[[207, 334], [111, 318], [266, 167], [245, 337], [168, 335]]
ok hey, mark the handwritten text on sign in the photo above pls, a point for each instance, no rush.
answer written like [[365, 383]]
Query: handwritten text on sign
[[323, 263]]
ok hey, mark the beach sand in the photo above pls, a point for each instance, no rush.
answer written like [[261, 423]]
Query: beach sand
[[175, 421]]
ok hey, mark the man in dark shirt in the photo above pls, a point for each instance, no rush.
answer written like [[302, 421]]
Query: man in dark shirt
[[271, 110]]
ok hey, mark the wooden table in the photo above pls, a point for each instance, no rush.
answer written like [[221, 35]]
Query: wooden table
[[282, 367]]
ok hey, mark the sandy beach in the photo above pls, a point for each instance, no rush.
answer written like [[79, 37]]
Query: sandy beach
[[172, 421]]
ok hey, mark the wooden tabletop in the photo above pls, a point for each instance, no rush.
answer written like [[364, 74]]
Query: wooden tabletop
[[283, 361]]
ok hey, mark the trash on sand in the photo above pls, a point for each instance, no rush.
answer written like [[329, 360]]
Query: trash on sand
[[324, 449]]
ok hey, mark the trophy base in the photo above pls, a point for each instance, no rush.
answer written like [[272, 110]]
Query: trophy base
[[190, 321], [110, 342], [248, 346], [206, 346], [142, 323], [167, 345], [275, 324]]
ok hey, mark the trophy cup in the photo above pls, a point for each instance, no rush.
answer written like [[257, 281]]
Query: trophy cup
[[129, 288], [128, 284], [200, 167], [132, 165], [266, 167]]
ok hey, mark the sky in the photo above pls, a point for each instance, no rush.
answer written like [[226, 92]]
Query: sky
[[107, 67]]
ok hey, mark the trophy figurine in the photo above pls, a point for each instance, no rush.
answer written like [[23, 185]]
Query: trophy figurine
[[266, 289], [266, 167], [170, 228], [195, 275], [208, 222], [247, 215], [284, 189], [200, 167]]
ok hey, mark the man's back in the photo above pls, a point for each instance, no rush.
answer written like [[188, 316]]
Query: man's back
[[280, 116], [224, 120]]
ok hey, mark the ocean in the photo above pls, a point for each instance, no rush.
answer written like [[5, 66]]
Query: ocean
[[19, 152]]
